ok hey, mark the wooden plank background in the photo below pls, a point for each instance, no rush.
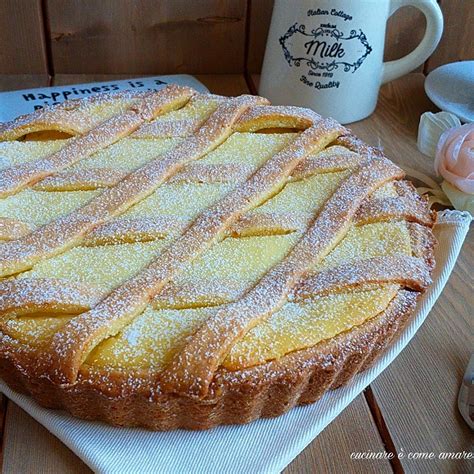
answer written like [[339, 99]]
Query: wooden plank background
[[22, 42], [180, 36], [146, 36]]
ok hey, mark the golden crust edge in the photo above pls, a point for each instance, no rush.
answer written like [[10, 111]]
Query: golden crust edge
[[239, 397], [265, 391], [298, 378]]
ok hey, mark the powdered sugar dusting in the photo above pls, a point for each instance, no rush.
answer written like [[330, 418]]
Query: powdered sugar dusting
[[256, 188]]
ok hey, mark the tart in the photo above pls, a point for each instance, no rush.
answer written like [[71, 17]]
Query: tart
[[174, 259]]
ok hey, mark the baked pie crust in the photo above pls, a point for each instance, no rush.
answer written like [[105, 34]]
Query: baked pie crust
[[181, 260]]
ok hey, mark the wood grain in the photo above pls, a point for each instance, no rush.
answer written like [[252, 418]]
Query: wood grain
[[225, 84], [260, 15], [22, 46], [352, 432], [67, 79], [30, 448], [417, 394], [457, 42], [11, 82], [405, 30], [3, 415], [203, 36], [145, 36]]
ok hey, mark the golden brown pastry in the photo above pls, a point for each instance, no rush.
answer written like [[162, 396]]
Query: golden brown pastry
[[181, 260]]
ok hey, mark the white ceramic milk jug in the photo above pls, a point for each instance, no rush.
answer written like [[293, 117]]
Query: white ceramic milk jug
[[328, 54]]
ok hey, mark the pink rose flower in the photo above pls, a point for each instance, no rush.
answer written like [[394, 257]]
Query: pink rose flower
[[454, 159]]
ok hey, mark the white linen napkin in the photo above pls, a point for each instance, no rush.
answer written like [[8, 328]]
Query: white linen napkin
[[265, 446]]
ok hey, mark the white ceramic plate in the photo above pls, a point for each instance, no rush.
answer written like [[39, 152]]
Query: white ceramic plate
[[451, 88]]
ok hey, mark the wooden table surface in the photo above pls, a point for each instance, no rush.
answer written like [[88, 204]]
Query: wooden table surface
[[410, 407]]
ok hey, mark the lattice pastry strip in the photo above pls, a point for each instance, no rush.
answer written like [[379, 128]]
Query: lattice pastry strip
[[250, 205], [74, 117], [68, 231], [141, 228], [182, 122], [193, 369], [124, 303], [93, 178], [11, 229], [278, 219], [27, 296], [58, 296], [18, 177]]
